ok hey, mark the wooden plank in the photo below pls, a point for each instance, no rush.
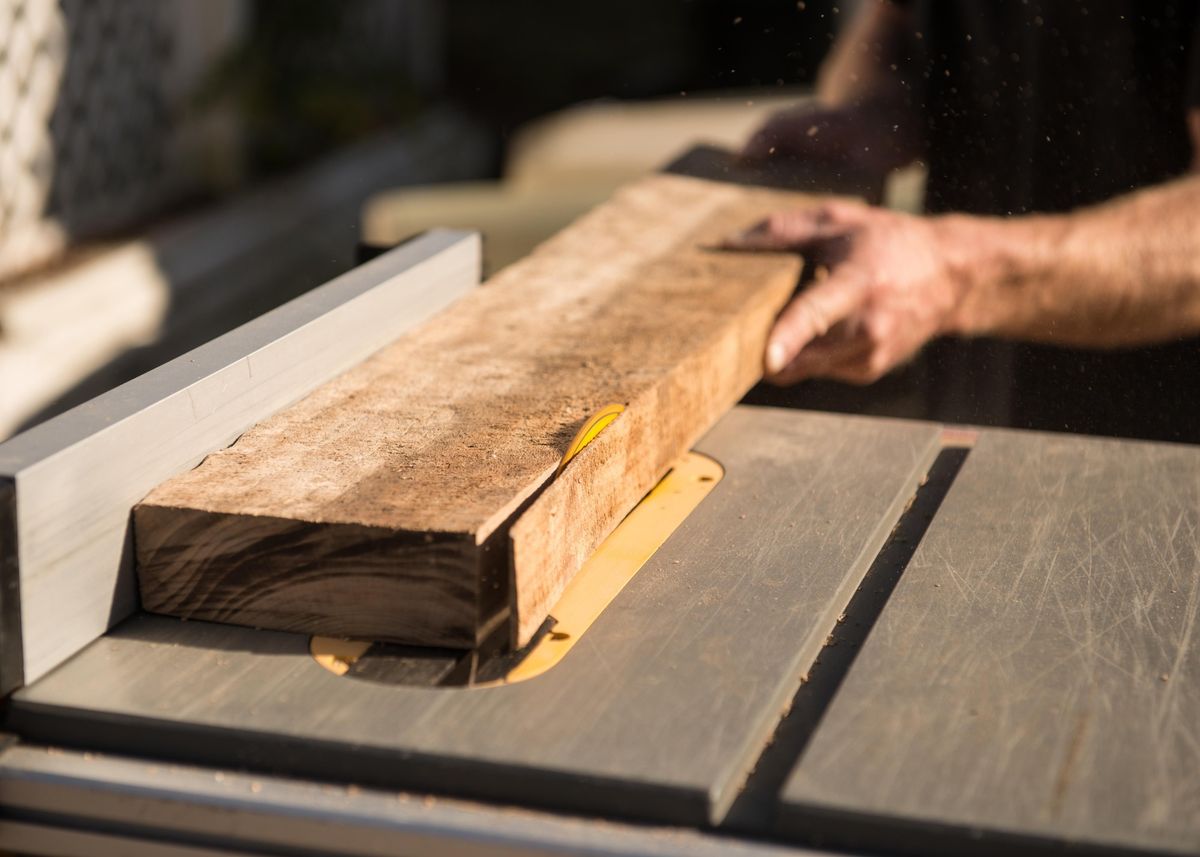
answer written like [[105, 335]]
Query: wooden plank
[[1035, 678], [67, 486], [660, 709], [379, 506]]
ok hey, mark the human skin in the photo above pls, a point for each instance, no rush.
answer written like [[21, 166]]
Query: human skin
[[860, 116], [1124, 273]]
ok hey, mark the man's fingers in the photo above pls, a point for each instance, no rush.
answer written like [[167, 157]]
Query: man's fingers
[[849, 212], [776, 131], [798, 228], [810, 130], [828, 301], [762, 144], [795, 233], [785, 132], [823, 358], [810, 315]]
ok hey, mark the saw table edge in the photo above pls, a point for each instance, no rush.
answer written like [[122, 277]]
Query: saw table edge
[[135, 802], [67, 486]]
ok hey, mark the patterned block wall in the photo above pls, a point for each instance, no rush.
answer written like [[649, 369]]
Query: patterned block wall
[[33, 48], [99, 126]]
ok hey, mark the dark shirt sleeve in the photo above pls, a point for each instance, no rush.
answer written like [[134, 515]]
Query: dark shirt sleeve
[[1193, 84]]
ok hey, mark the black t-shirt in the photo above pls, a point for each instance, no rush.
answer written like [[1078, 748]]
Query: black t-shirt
[[1047, 105], [1044, 106]]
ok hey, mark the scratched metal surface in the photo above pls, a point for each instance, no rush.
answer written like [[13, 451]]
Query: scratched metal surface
[[658, 712], [1035, 677]]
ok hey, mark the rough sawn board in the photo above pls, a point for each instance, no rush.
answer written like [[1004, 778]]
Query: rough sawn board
[[378, 507]]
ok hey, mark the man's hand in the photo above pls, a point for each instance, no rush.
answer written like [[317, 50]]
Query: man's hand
[[873, 139], [886, 289], [808, 130], [1121, 274], [862, 117]]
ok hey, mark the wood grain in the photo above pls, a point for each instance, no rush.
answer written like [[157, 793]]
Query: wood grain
[[1035, 678], [446, 434], [68, 485], [658, 711], [252, 589]]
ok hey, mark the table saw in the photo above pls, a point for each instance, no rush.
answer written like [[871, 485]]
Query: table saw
[[859, 635]]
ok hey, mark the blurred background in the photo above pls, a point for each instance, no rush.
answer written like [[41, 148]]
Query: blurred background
[[171, 168]]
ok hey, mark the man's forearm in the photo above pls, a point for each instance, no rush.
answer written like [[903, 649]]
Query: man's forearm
[[1120, 274], [870, 61], [863, 116]]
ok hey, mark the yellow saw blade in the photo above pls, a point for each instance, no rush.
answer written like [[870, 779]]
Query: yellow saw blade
[[588, 431]]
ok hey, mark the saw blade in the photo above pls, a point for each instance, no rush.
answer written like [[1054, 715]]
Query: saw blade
[[588, 432]]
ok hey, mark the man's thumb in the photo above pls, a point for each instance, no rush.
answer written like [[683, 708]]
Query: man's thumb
[[809, 316]]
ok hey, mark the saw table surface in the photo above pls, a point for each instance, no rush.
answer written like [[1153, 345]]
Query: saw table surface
[[1031, 682], [658, 712], [1036, 673]]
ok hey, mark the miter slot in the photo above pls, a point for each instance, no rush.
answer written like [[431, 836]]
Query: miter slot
[[756, 806], [1031, 684]]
